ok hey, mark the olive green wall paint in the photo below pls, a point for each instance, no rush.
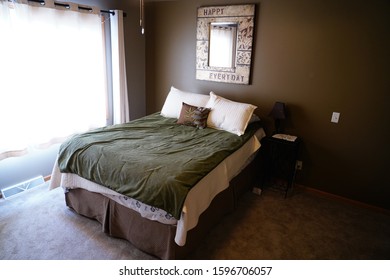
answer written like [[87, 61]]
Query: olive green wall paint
[[316, 56]]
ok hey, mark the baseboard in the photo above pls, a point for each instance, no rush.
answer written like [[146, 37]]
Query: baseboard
[[343, 199]]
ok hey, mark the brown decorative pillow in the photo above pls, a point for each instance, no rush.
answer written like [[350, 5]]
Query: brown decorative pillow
[[193, 116]]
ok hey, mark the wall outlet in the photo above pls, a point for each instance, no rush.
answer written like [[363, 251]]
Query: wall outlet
[[298, 165], [335, 117]]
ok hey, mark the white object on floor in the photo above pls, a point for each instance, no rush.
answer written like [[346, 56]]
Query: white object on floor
[[256, 191]]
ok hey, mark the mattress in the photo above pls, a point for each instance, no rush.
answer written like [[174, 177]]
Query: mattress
[[197, 200]]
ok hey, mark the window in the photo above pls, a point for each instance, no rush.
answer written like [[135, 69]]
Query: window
[[52, 75], [222, 44]]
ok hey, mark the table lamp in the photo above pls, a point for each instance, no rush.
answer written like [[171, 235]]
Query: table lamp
[[278, 113]]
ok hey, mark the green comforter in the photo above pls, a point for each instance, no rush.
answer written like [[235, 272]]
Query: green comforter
[[151, 159]]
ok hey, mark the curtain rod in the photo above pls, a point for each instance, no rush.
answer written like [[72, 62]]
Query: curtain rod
[[67, 6]]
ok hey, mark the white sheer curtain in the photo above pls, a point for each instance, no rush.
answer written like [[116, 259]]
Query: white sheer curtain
[[120, 96], [222, 46], [52, 75]]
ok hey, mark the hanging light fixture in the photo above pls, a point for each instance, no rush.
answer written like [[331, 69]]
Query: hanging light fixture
[[141, 16]]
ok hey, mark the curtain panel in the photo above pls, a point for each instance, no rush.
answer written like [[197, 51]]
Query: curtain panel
[[52, 74], [222, 36], [119, 81]]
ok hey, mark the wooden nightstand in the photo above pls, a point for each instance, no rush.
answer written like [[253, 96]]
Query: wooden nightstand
[[280, 155]]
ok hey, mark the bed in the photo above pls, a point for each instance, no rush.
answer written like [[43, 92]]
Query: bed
[[164, 180]]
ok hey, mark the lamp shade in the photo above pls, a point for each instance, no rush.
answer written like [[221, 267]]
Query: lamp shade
[[278, 112]]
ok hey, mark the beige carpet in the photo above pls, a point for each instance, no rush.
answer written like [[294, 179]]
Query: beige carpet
[[38, 225], [304, 226]]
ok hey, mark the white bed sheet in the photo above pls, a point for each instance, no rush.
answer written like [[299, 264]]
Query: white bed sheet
[[197, 200]]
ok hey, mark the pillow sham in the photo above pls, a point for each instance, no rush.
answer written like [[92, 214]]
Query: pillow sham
[[229, 115], [173, 103], [193, 116]]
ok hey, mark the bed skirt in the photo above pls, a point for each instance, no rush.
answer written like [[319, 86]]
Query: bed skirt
[[152, 237]]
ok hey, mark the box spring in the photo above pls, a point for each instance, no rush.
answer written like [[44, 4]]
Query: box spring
[[152, 237]]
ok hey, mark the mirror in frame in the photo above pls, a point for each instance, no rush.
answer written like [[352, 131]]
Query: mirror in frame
[[224, 41]]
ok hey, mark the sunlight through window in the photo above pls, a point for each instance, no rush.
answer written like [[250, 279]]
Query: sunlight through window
[[52, 73]]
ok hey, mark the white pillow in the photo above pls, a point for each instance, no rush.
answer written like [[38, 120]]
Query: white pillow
[[175, 99], [228, 115]]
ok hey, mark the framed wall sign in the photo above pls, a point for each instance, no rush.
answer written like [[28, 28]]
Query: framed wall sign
[[224, 41]]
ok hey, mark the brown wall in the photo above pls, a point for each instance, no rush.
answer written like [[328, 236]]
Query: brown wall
[[135, 58], [317, 57]]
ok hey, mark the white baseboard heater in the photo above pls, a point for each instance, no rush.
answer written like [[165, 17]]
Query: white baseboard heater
[[21, 187]]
